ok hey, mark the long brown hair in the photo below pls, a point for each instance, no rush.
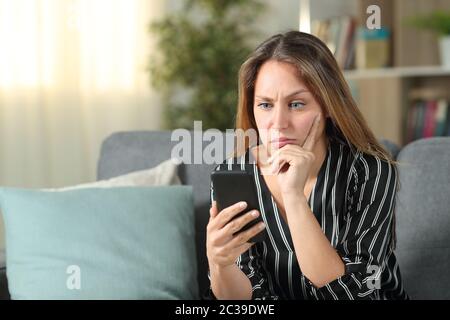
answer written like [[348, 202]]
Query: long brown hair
[[319, 70]]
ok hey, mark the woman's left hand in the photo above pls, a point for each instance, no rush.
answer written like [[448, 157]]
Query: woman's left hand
[[292, 163]]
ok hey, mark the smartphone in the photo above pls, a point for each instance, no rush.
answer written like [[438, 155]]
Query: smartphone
[[231, 187]]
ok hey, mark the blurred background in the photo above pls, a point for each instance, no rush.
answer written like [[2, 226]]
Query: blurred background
[[74, 71]]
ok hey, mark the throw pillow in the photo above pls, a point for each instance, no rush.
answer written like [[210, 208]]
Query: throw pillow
[[100, 243]]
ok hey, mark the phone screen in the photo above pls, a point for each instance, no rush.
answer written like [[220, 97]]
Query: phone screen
[[231, 187]]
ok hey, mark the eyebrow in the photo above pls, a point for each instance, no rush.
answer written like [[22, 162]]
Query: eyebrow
[[288, 96]]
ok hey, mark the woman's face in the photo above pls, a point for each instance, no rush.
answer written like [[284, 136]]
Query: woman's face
[[284, 108]]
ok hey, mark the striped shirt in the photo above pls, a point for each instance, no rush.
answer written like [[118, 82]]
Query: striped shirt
[[353, 201]]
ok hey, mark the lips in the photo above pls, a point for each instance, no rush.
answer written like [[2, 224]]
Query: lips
[[280, 143]]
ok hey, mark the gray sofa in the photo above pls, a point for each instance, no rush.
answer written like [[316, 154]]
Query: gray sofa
[[423, 203]]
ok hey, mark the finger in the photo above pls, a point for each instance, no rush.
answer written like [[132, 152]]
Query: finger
[[296, 157], [280, 162], [243, 237], [293, 154], [213, 212], [227, 214], [286, 149], [277, 165], [312, 135], [243, 248], [237, 224]]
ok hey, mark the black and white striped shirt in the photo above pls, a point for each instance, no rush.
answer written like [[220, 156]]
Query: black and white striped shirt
[[353, 201]]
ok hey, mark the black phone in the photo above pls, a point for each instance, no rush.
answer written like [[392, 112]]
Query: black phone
[[231, 187]]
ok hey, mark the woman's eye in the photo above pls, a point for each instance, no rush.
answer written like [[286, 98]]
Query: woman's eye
[[297, 105], [264, 105]]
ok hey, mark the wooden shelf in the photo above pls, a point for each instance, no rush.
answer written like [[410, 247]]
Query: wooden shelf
[[399, 72], [384, 96]]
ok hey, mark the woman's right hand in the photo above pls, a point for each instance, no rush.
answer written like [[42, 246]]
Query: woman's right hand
[[223, 245]]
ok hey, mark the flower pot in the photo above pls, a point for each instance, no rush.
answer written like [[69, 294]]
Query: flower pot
[[444, 44]]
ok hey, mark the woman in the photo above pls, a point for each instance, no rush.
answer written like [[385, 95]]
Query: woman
[[327, 196]]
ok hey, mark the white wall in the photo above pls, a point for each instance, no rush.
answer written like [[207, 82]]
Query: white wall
[[322, 9], [283, 15]]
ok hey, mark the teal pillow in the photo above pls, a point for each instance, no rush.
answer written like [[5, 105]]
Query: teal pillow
[[100, 243]]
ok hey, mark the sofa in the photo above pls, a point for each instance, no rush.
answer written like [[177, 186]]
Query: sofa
[[422, 205]]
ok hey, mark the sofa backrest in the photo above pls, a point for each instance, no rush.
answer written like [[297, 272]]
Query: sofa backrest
[[423, 218], [126, 152], [423, 201]]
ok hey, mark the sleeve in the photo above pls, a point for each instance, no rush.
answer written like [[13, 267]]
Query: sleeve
[[250, 263], [365, 238]]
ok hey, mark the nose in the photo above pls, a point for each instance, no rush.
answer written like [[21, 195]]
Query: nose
[[280, 118]]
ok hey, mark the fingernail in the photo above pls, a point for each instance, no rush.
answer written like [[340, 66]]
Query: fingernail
[[262, 226], [255, 213], [243, 204]]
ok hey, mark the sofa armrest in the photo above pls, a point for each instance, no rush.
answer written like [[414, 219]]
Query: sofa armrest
[[4, 294]]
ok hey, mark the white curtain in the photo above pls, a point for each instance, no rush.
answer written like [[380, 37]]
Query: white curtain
[[71, 73]]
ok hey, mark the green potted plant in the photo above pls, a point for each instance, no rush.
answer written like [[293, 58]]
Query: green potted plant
[[438, 22], [199, 52]]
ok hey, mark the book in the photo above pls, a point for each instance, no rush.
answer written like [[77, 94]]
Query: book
[[448, 122], [441, 118], [343, 40], [429, 119], [372, 48], [419, 123], [412, 114], [338, 33]]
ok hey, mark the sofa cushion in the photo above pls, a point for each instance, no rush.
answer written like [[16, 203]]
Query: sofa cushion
[[423, 218], [100, 243], [124, 152], [164, 174]]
